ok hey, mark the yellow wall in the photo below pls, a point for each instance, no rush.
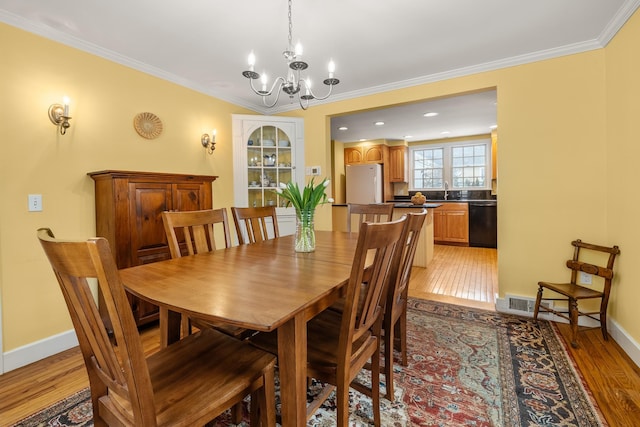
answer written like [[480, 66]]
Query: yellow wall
[[623, 143], [565, 139], [105, 97]]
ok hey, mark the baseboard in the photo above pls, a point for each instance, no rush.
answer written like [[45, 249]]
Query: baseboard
[[39, 350], [617, 333]]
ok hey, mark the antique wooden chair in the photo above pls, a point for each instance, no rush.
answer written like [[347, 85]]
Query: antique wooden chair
[[252, 225], [572, 292], [394, 324], [185, 384], [376, 212], [197, 230], [340, 344]]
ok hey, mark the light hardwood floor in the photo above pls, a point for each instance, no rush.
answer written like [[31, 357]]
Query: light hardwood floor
[[458, 275]]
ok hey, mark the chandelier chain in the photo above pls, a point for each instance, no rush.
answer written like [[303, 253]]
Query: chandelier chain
[[290, 28]]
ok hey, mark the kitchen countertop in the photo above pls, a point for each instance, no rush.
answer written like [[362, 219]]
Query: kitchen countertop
[[440, 202], [397, 204]]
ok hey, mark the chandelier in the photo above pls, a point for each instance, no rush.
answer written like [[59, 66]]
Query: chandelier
[[293, 84]]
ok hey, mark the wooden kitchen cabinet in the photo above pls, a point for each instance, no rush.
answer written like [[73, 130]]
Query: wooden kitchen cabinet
[[129, 208], [353, 155], [366, 154], [398, 163], [451, 224]]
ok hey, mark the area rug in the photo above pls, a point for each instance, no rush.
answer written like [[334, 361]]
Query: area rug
[[467, 367]]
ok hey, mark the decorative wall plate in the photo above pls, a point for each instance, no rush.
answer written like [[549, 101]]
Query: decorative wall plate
[[148, 125]]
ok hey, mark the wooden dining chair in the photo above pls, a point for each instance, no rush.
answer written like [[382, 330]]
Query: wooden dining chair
[[185, 384], [375, 212], [572, 292], [196, 228], [394, 325], [340, 344], [252, 224], [192, 232]]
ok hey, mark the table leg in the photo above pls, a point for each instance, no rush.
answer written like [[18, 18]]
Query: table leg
[[292, 362], [169, 326]]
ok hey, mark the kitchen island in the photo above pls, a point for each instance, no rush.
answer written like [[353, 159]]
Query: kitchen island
[[424, 250]]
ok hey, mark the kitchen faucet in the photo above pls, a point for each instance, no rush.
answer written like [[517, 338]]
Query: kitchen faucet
[[446, 188]]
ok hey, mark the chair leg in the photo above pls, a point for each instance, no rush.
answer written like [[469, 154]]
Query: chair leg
[[537, 306], [342, 405], [375, 384], [388, 361], [402, 334], [603, 323], [573, 312]]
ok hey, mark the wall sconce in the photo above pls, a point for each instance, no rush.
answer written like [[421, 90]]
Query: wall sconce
[[59, 115], [209, 142]]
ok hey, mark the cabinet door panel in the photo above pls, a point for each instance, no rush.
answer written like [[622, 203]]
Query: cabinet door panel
[[148, 239], [352, 155], [457, 226], [187, 197]]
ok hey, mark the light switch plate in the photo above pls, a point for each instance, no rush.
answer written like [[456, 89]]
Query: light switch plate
[[313, 170], [35, 202], [586, 278]]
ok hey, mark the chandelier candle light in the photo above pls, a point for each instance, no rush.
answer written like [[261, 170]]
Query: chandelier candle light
[[294, 83], [305, 204]]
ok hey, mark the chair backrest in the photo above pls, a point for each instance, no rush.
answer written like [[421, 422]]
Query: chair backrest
[[576, 264], [197, 228], [126, 373], [401, 273], [365, 293], [252, 225], [376, 212]]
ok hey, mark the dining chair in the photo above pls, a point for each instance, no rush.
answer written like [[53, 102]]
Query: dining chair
[[572, 292], [193, 231], [196, 229], [187, 383], [375, 212], [394, 325], [252, 224], [340, 344]]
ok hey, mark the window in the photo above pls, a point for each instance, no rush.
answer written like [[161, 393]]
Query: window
[[463, 166]]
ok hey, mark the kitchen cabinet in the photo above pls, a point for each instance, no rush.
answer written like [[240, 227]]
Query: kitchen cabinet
[[267, 151], [398, 163], [129, 208], [451, 223], [353, 155], [366, 154]]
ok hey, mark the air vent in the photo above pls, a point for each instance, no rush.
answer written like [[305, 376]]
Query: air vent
[[527, 305]]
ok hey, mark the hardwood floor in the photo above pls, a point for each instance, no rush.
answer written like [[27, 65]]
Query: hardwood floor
[[458, 275]]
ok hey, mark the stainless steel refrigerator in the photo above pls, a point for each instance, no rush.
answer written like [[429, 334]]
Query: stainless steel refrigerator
[[364, 183]]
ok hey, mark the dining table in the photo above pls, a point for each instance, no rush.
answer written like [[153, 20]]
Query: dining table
[[264, 286]]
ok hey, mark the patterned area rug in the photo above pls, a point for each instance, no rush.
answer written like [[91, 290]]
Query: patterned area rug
[[467, 367]]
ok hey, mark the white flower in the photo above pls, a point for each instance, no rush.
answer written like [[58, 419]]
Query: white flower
[[282, 185], [326, 183], [330, 200], [279, 190]]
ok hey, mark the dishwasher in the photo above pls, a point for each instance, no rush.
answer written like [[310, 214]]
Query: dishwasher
[[483, 223]]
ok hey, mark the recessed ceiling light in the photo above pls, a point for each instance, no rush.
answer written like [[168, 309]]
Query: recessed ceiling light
[[408, 136], [445, 132], [343, 128], [430, 114], [493, 127], [362, 139], [379, 123]]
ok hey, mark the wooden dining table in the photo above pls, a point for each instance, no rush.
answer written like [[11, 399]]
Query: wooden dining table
[[265, 286]]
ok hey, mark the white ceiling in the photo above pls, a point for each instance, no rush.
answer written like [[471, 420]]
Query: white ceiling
[[377, 46]]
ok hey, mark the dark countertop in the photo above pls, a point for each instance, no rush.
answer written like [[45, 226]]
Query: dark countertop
[[406, 205], [440, 202]]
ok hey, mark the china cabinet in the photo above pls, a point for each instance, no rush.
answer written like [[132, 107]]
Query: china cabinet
[[129, 208], [267, 151]]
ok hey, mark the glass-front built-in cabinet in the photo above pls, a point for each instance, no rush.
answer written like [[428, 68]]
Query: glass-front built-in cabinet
[[268, 151]]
